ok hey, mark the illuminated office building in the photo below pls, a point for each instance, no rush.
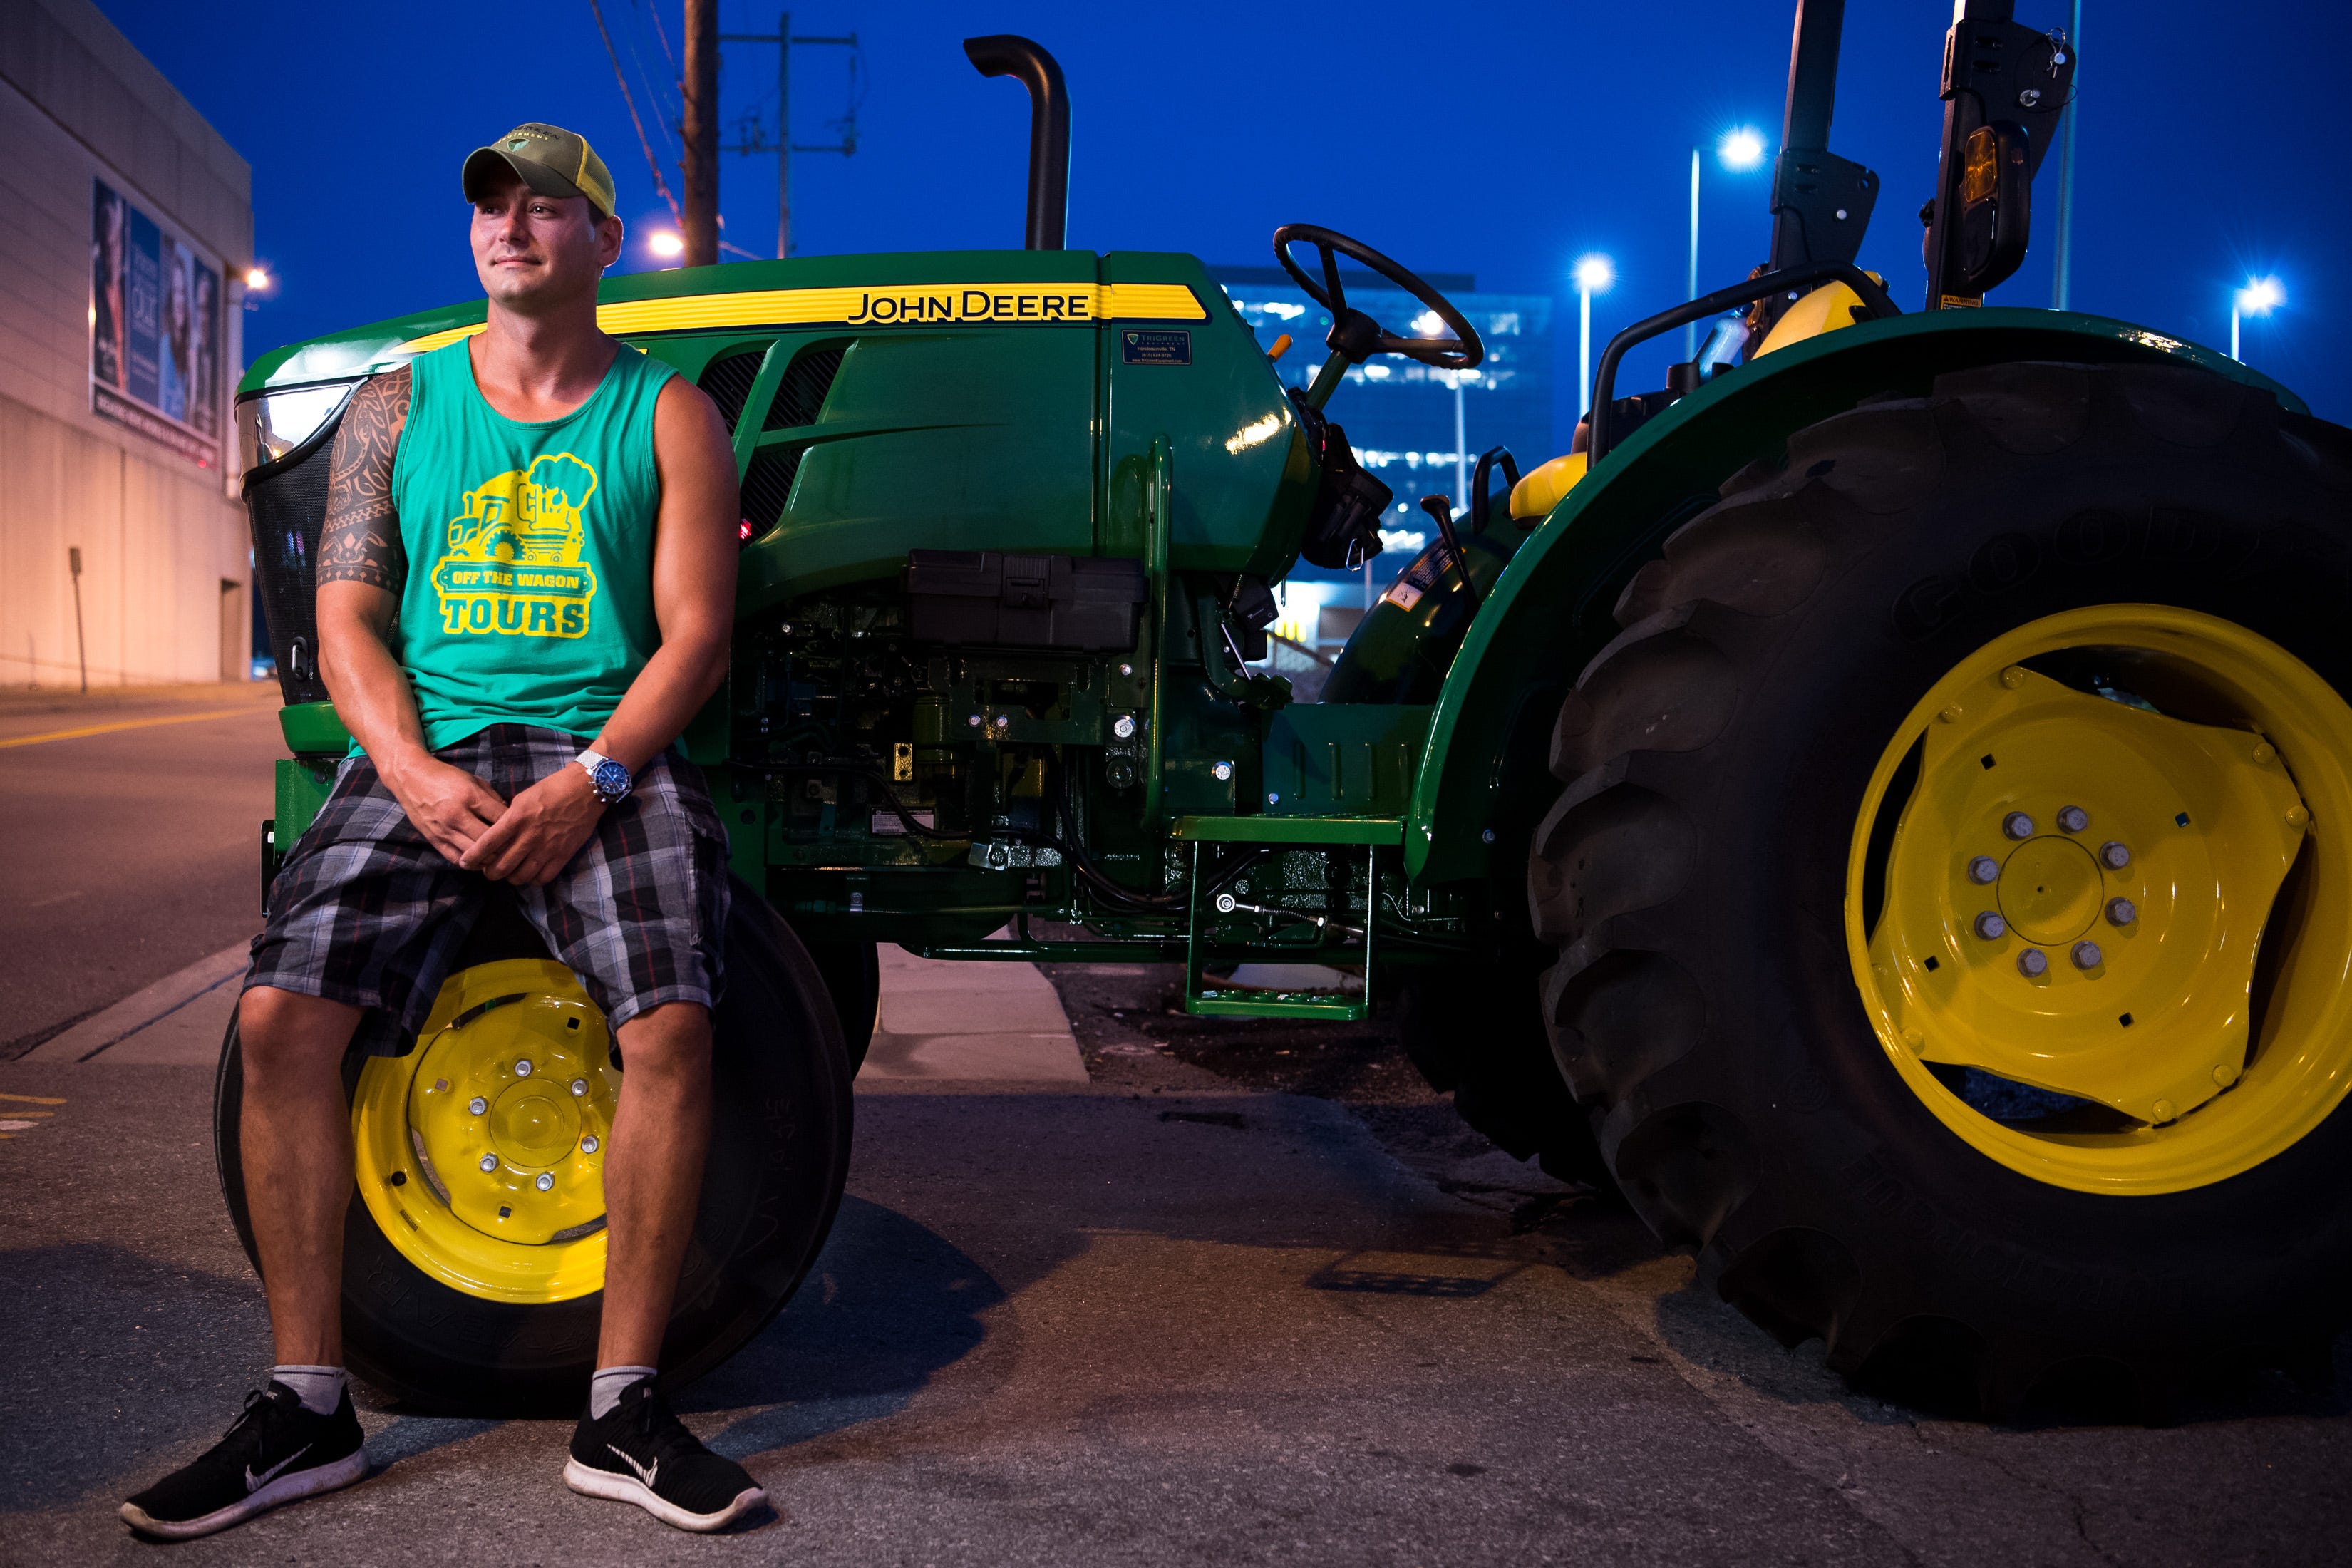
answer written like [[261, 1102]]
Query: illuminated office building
[[1417, 429]]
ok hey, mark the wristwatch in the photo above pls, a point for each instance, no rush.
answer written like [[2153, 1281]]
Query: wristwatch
[[608, 778]]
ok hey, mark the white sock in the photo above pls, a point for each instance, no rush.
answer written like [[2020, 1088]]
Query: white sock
[[320, 1388], [606, 1388]]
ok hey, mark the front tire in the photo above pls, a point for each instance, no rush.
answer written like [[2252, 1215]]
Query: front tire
[[449, 1316], [1736, 769], [852, 978]]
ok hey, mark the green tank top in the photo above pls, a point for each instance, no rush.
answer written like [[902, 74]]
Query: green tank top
[[530, 549]]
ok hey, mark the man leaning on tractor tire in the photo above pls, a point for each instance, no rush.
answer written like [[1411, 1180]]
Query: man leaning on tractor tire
[[471, 682]]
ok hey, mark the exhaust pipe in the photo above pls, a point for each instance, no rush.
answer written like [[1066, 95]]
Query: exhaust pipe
[[1009, 54]]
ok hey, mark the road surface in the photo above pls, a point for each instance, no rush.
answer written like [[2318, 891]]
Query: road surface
[[1109, 1287]]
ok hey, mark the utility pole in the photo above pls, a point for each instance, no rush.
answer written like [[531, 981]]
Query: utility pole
[[698, 130], [754, 138]]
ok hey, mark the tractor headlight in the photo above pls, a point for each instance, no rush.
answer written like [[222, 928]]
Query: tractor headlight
[[274, 423]]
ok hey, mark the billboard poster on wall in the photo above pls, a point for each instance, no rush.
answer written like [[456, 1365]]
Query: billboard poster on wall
[[155, 331]]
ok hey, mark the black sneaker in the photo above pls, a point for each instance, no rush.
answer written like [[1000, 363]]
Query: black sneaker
[[641, 1453], [276, 1452]]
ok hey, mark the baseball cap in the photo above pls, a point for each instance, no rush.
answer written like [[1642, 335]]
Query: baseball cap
[[547, 158]]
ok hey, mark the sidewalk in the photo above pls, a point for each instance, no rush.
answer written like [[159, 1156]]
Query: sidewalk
[[939, 1022]]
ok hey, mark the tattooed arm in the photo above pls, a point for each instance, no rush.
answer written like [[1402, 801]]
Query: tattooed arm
[[360, 573], [360, 540]]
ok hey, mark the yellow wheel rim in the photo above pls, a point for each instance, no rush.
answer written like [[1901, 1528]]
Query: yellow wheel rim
[[2106, 939], [480, 1153]]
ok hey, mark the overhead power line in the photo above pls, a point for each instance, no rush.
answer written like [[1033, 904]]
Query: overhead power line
[[666, 110], [626, 97]]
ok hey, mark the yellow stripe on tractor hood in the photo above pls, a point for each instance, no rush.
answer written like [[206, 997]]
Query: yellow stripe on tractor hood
[[1016, 304]]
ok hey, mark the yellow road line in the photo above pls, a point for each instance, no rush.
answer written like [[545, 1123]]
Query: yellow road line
[[33, 1099], [124, 724]]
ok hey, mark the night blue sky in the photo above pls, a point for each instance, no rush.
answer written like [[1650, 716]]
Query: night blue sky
[[1502, 139]]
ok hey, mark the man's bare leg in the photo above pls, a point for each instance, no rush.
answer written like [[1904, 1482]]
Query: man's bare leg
[[653, 1175], [295, 1131]]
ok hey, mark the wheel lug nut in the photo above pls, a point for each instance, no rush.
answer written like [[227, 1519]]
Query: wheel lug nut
[[2073, 819], [2086, 955], [522, 1068], [589, 1145], [2122, 911], [2017, 825], [478, 1106], [2114, 857], [579, 1087], [1984, 870], [490, 1162], [2031, 964], [544, 1181], [1989, 926]]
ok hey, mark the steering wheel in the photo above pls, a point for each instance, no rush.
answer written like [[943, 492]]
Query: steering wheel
[[1357, 336]]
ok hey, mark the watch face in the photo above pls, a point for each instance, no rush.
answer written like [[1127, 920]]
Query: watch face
[[611, 778]]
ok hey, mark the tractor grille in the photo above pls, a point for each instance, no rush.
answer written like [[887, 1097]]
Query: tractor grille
[[286, 510], [805, 386], [729, 381], [768, 482], [768, 485]]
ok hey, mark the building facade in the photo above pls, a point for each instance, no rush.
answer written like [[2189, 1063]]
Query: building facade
[[1417, 429], [126, 227]]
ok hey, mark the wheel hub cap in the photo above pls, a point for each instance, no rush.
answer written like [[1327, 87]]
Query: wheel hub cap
[[2049, 891]]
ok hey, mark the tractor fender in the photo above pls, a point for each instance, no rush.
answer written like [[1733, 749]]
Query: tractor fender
[[1552, 610]]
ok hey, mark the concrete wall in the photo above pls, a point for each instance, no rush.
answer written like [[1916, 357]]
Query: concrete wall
[[159, 534]]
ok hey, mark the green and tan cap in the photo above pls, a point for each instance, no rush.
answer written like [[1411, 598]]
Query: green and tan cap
[[550, 160]]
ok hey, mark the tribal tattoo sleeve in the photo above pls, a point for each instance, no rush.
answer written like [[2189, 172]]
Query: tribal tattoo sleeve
[[360, 540]]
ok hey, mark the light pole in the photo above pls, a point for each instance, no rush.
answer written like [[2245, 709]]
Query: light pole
[[1739, 151], [1429, 324], [2061, 276], [2258, 298], [1593, 276]]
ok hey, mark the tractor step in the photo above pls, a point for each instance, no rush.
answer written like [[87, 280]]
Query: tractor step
[[1208, 999]]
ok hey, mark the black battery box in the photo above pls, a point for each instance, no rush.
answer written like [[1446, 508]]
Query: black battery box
[[987, 599]]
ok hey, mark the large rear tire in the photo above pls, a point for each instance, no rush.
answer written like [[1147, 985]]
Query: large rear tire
[[1751, 766], [450, 1316], [1475, 1031]]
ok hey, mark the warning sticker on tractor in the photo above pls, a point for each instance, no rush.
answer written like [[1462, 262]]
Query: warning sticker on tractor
[[1417, 579], [1140, 347]]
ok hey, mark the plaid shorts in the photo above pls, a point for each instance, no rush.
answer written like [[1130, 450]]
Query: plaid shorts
[[365, 910]]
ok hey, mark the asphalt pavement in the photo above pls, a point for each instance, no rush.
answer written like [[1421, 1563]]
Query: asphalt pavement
[[1225, 1293], [130, 841]]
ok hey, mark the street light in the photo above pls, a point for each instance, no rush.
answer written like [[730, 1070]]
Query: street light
[[1738, 150], [666, 244], [1593, 276], [2260, 297], [256, 278]]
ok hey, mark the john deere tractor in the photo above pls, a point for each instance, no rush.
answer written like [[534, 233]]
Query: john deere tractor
[[1883, 801]]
